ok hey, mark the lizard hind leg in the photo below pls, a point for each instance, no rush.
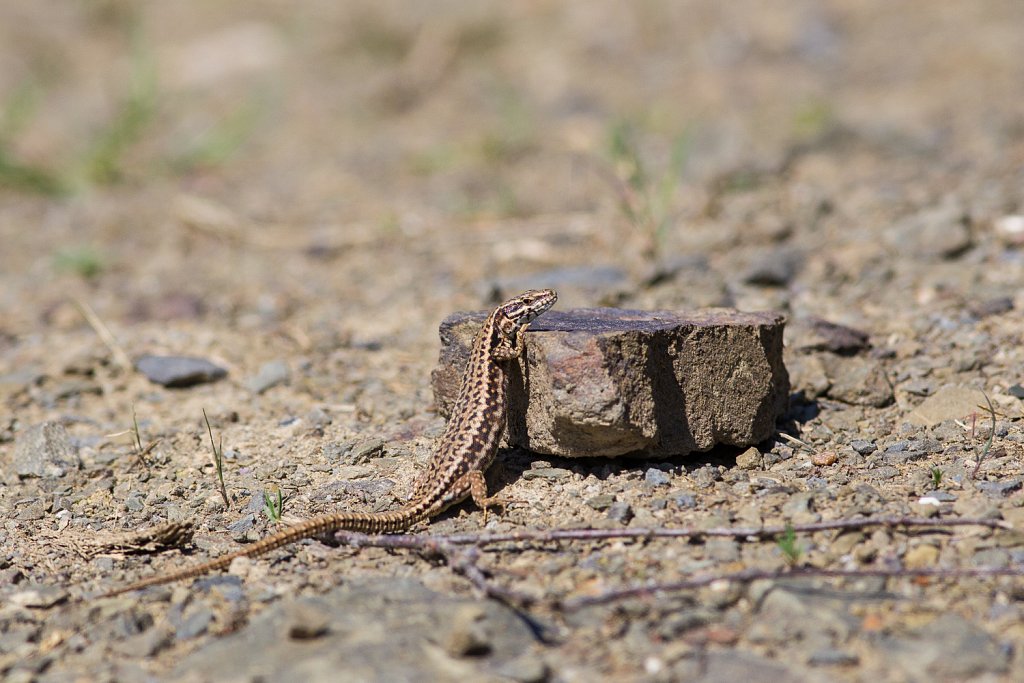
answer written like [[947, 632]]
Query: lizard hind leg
[[474, 480]]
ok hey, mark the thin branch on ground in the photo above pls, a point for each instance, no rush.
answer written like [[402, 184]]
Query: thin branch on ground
[[461, 552], [748, 575]]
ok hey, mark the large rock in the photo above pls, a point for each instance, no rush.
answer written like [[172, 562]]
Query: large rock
[[610, 382]]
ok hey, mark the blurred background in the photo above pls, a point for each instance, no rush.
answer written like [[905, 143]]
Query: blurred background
[[370, 166]]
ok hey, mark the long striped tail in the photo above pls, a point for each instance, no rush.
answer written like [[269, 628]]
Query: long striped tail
[[383, 522]]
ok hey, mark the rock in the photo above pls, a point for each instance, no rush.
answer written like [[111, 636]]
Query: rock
[[939, 232], [1010, 229], [857, 381], [601, 502], [773, 267], [609, 382], [551, 473], [656, 477], [951, 402], [830, 656], [384, 630], [824, 458], [179, 371], [863, 447], [1000, 488], [45, 450], [38, 596], [307, 618], [195, 624], [620, 512], [817, 334], [749, 459], [950, 648], [270, 375]]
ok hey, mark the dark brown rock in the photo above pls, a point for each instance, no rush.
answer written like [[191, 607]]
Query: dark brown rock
[[609, 382]]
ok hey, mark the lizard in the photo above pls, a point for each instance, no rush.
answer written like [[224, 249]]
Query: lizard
[[466, 449]]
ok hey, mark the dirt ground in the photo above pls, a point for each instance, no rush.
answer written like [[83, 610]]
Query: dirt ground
[[301, 193]]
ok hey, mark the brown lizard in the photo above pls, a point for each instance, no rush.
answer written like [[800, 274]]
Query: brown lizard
[[456, 470]]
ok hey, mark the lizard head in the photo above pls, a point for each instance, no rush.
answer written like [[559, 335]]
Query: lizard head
[[523, 309]]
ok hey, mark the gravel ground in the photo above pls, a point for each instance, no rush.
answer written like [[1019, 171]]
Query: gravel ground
[[299, 195]]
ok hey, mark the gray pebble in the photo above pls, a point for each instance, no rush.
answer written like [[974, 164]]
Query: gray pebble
[[1000, 488], [685, 500], [194, 624], [601, 502], [552, 473], [45, 450], [832, 657], [656, 477], [270, 375], [243, 525], [179, 371], [620, 512]]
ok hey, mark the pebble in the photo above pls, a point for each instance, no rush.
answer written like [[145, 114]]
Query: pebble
[[38, 596], [749, 459], [194, 624], [656, 477], [179, 371], [863, 446], [950, 402], [621, 512], [1000, 488], [551, 473], [45, 450], [824, 458], [832, 657], [601, 502], [270, 375], [307, 618]]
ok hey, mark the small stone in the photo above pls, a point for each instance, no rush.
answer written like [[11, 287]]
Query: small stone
[[832, 657], [551, 473], [307, 618], [685, 500], [934, 232], [241, 527], [749, 459], [601, 502], [951, 402], [38, 596], [1010, 229], [1017, 391], [620, 512], [364, 452], [656, 477], [773, 267], [920, 557], [863, 447], [817, 334], [1000, 488], [194, 624], [824, 458], [270, 375], [45, 450], [179, 371], [467, 635], [995, 306], [857, 381]]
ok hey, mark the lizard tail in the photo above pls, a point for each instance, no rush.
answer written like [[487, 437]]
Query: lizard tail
[[384, 522]]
